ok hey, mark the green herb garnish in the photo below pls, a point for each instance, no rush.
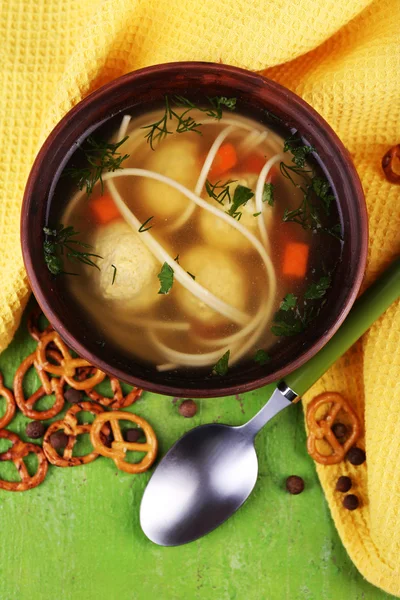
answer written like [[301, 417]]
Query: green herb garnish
[[261, 357], [102, 157], [317, 290], [166, 277], [299, 150], [114, 274], [216, 105], [143, 227], [268, 193], [221, 367], [322, 189], [293, 318], [184, 122], [257, 214], [241, 196], [191, 275], [289, 301], [220, 192], [59, 245]]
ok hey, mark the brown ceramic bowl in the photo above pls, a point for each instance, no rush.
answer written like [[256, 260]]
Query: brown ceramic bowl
[[255, 94]]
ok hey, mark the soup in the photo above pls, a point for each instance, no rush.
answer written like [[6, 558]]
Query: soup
[[201, 238]]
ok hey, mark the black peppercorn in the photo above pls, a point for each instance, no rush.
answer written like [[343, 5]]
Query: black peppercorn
[[356, 456], [188, 408], [59, 440], [339, 430], [132, 434], [351, 502], [294, 484], [73, 396], [343, 484], [35, 430]]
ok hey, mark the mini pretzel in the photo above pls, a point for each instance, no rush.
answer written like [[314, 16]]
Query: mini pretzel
[[68, 365], [16, 454], [388, 162], [72, 428], [119, 446], [49, 386], [118, 400], [33, 326], [10, 404], [320, 429]]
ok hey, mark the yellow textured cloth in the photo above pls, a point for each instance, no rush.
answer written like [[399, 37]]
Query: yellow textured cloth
[[343, 58]]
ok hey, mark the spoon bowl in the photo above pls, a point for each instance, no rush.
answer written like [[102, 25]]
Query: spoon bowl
[[204, 478]]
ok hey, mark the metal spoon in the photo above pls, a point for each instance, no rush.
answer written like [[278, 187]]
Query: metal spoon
[[210, 472]]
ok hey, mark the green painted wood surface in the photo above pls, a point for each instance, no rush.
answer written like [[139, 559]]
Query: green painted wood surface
[[77, 536]]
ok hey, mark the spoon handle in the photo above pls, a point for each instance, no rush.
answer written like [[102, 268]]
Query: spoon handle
[[367, 309]]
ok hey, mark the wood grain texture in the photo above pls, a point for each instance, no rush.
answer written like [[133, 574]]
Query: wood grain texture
[[77, 536]]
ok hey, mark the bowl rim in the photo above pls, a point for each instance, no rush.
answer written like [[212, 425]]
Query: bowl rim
[[224, 389]]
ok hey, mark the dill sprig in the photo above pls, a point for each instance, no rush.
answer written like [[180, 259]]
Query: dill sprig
[[308, 213], [173, 122], [59, 245], [114, 274], [101, 157], [219, 191], [217, 103], [144, 227]]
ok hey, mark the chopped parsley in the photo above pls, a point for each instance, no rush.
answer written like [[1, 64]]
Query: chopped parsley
[[289, 302], [299, 150], [241, 196], [317, 290], [166, 278], [268, 193], [261, 357], [323, 191], [294, 317], [221, 367]]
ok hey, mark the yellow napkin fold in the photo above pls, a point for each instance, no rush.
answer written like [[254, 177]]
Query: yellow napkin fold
[[343, 58]]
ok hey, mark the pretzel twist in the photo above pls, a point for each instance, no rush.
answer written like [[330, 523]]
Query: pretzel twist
[[18, 451], [321, 429], [10, 404], [118, 401], [119, 446], [33, 326], [68, 366], [72, 429], [49, 386]]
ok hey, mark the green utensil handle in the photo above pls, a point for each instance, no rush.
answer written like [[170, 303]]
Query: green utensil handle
[[367, 309]]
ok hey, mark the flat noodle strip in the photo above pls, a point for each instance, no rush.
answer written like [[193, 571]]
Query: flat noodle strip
[[185, 358]]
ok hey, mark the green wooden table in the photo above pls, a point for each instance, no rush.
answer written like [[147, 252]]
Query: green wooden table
[[77, 536]]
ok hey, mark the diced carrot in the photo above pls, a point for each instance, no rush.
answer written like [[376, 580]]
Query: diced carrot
[[253, 163], [295, 259], [104, 209], [225, 159]]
